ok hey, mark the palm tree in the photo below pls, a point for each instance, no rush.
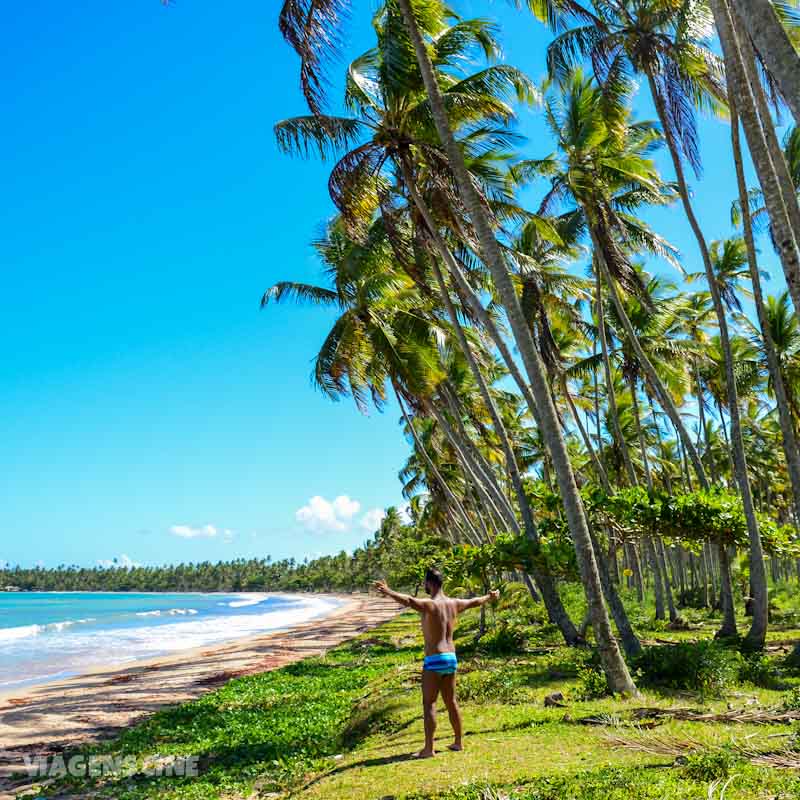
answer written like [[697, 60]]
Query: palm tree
[[775, 45], [784, 332], [759, 214], [614, 666], [603, 169], [697, 318], [660, 40], [397, 116], [310, 26], [747, 103]]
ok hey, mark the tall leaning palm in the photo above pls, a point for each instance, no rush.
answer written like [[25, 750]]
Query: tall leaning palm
[[762, 21], [312, 28], [392, 141], [603, 169], [665, 41]]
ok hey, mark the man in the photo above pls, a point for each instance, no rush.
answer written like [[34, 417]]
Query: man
[[440, 663]]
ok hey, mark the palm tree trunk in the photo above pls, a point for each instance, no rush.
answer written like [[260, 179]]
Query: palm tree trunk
[[661, 555], [630, 641], [434, 469], [598, 467], [479, 500], [614, 667], [610, 394], [480, 465], [776, 49], [756, 637], [649, 370], [728, 627], [681, 561], [640, 433], [596, 398], [686, 478], [557, 614], [658, 586], [701, 412], [659, 434], [708, 575], [784, 177], [789, 440], [468, 464], [739, 86], [725, 436], [611, 558]]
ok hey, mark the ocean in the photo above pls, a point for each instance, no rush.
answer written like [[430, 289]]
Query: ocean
[[50, 635]]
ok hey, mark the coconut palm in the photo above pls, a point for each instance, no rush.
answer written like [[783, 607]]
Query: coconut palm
[[602, 168], [664, 40], [776, 45], [310, 26], [747, 102], [759, 215], [778, 384]]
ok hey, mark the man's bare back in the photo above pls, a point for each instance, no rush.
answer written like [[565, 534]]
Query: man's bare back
[[438, 617]]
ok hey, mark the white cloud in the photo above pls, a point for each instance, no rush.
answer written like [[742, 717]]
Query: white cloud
[[321, 515], [228, 535], [371, 521], [187, 532], [122, 562], [405, 515], [345, 507]]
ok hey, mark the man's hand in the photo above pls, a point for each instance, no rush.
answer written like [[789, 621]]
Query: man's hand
[[381, 588], [493, 595]]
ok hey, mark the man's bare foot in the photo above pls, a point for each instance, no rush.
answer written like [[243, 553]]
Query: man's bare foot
[[425, 753], [456, 746]]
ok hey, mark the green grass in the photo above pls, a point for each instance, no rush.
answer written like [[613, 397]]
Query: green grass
[[346, 726]]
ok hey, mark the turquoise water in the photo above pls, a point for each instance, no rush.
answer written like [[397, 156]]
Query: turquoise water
[[47, 635]]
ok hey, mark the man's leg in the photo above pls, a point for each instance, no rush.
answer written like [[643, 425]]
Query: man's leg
[[448, 683], [430, 691]]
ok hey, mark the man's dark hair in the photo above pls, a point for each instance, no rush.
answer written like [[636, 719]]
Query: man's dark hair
[[434, 577]]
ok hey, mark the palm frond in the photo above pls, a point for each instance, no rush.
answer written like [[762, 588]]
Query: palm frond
[[289, 290], [312, 28], [324, 134]]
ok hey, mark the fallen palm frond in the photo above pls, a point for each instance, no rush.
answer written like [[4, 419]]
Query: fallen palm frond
[[742, 715], [655, 745], [680, 748], [641, 716]]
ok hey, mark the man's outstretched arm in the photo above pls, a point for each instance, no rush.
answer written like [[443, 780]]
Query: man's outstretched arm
[[476, 602], [404, 599]]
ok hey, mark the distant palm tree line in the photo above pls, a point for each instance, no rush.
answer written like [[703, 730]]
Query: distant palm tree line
[[525, 341], [396, 551]]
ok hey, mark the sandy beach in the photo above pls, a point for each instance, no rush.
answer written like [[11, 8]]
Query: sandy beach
[[62, 714]]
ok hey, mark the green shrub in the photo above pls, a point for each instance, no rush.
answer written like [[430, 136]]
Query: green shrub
[[495, 686], [546, 634], [506, 638], [692, 597], [709, 765], [592, 683], [791, 700], [759, 670], [707, 667]]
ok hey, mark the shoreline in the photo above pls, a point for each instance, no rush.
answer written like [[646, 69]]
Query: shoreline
[[24, 685], [64, 713]]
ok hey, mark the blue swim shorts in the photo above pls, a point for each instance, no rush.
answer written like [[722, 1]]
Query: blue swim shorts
[[441, 663]]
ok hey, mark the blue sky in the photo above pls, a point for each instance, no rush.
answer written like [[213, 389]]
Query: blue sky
[[148, 407]]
